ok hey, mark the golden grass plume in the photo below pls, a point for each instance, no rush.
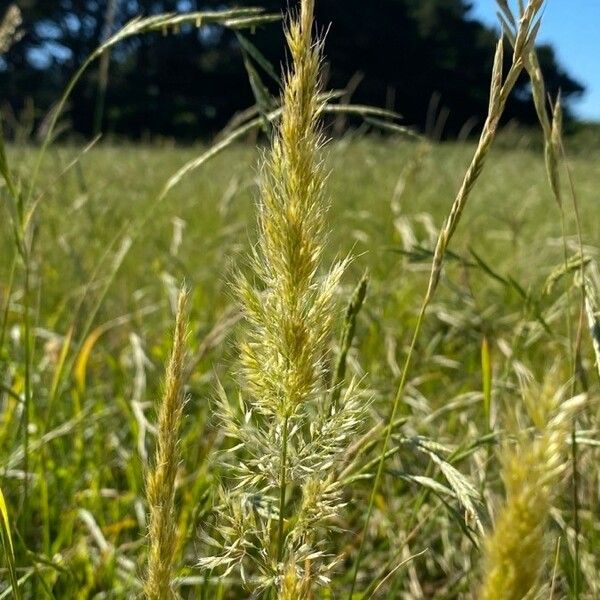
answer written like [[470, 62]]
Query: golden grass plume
[[532, 469], [160, 486]]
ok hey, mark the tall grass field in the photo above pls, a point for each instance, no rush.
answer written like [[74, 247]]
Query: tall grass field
[[303, 368]]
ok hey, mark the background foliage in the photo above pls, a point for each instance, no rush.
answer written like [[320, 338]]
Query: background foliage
[[418, 57]]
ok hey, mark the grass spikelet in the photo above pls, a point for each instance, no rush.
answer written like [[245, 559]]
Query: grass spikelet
[[356, 301], [523, 38], [551, 123], [161, 481], [516, 550], [292, 586]]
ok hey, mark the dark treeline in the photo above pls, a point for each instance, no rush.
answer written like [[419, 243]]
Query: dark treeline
[[399, 54]]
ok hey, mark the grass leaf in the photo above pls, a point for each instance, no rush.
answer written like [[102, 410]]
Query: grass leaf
[[486, 375], [7, 543]]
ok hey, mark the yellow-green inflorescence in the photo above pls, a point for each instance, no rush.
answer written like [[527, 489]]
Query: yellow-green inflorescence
[[516, 550], [160, 485], [292, 434]]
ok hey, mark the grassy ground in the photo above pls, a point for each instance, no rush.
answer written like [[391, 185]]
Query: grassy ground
[[80, 525]]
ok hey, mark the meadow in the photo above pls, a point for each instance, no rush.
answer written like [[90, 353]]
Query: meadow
[[489, 482]]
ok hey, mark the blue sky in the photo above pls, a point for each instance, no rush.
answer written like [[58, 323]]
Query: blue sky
[[572, 27]]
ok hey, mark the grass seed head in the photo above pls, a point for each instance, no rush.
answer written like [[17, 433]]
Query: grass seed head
[[517, 549], [160, 486]]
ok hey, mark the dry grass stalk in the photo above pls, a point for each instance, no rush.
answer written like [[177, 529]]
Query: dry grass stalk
[[551, 123], [160, 487], [523, 39]]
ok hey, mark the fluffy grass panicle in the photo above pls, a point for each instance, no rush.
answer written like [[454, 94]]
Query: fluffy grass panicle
[[292, 432], [517, 549], [290, 311], [161, 481]]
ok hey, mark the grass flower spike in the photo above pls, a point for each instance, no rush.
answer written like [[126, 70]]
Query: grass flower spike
[[292, 433], [517, 550], [161, 481]]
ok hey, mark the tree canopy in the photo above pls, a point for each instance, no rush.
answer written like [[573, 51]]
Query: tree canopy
[[400, 53]]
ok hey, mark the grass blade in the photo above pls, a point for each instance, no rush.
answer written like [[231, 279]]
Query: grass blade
[[486, 375], [7, 543]]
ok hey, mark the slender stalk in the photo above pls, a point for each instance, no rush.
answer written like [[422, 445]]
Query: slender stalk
[[386, 441], [27, 386], [9, 287], [575, 489], [282, 488], [552, 128], [572, 370], [574, 453], [569, 324], [109, 19]]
